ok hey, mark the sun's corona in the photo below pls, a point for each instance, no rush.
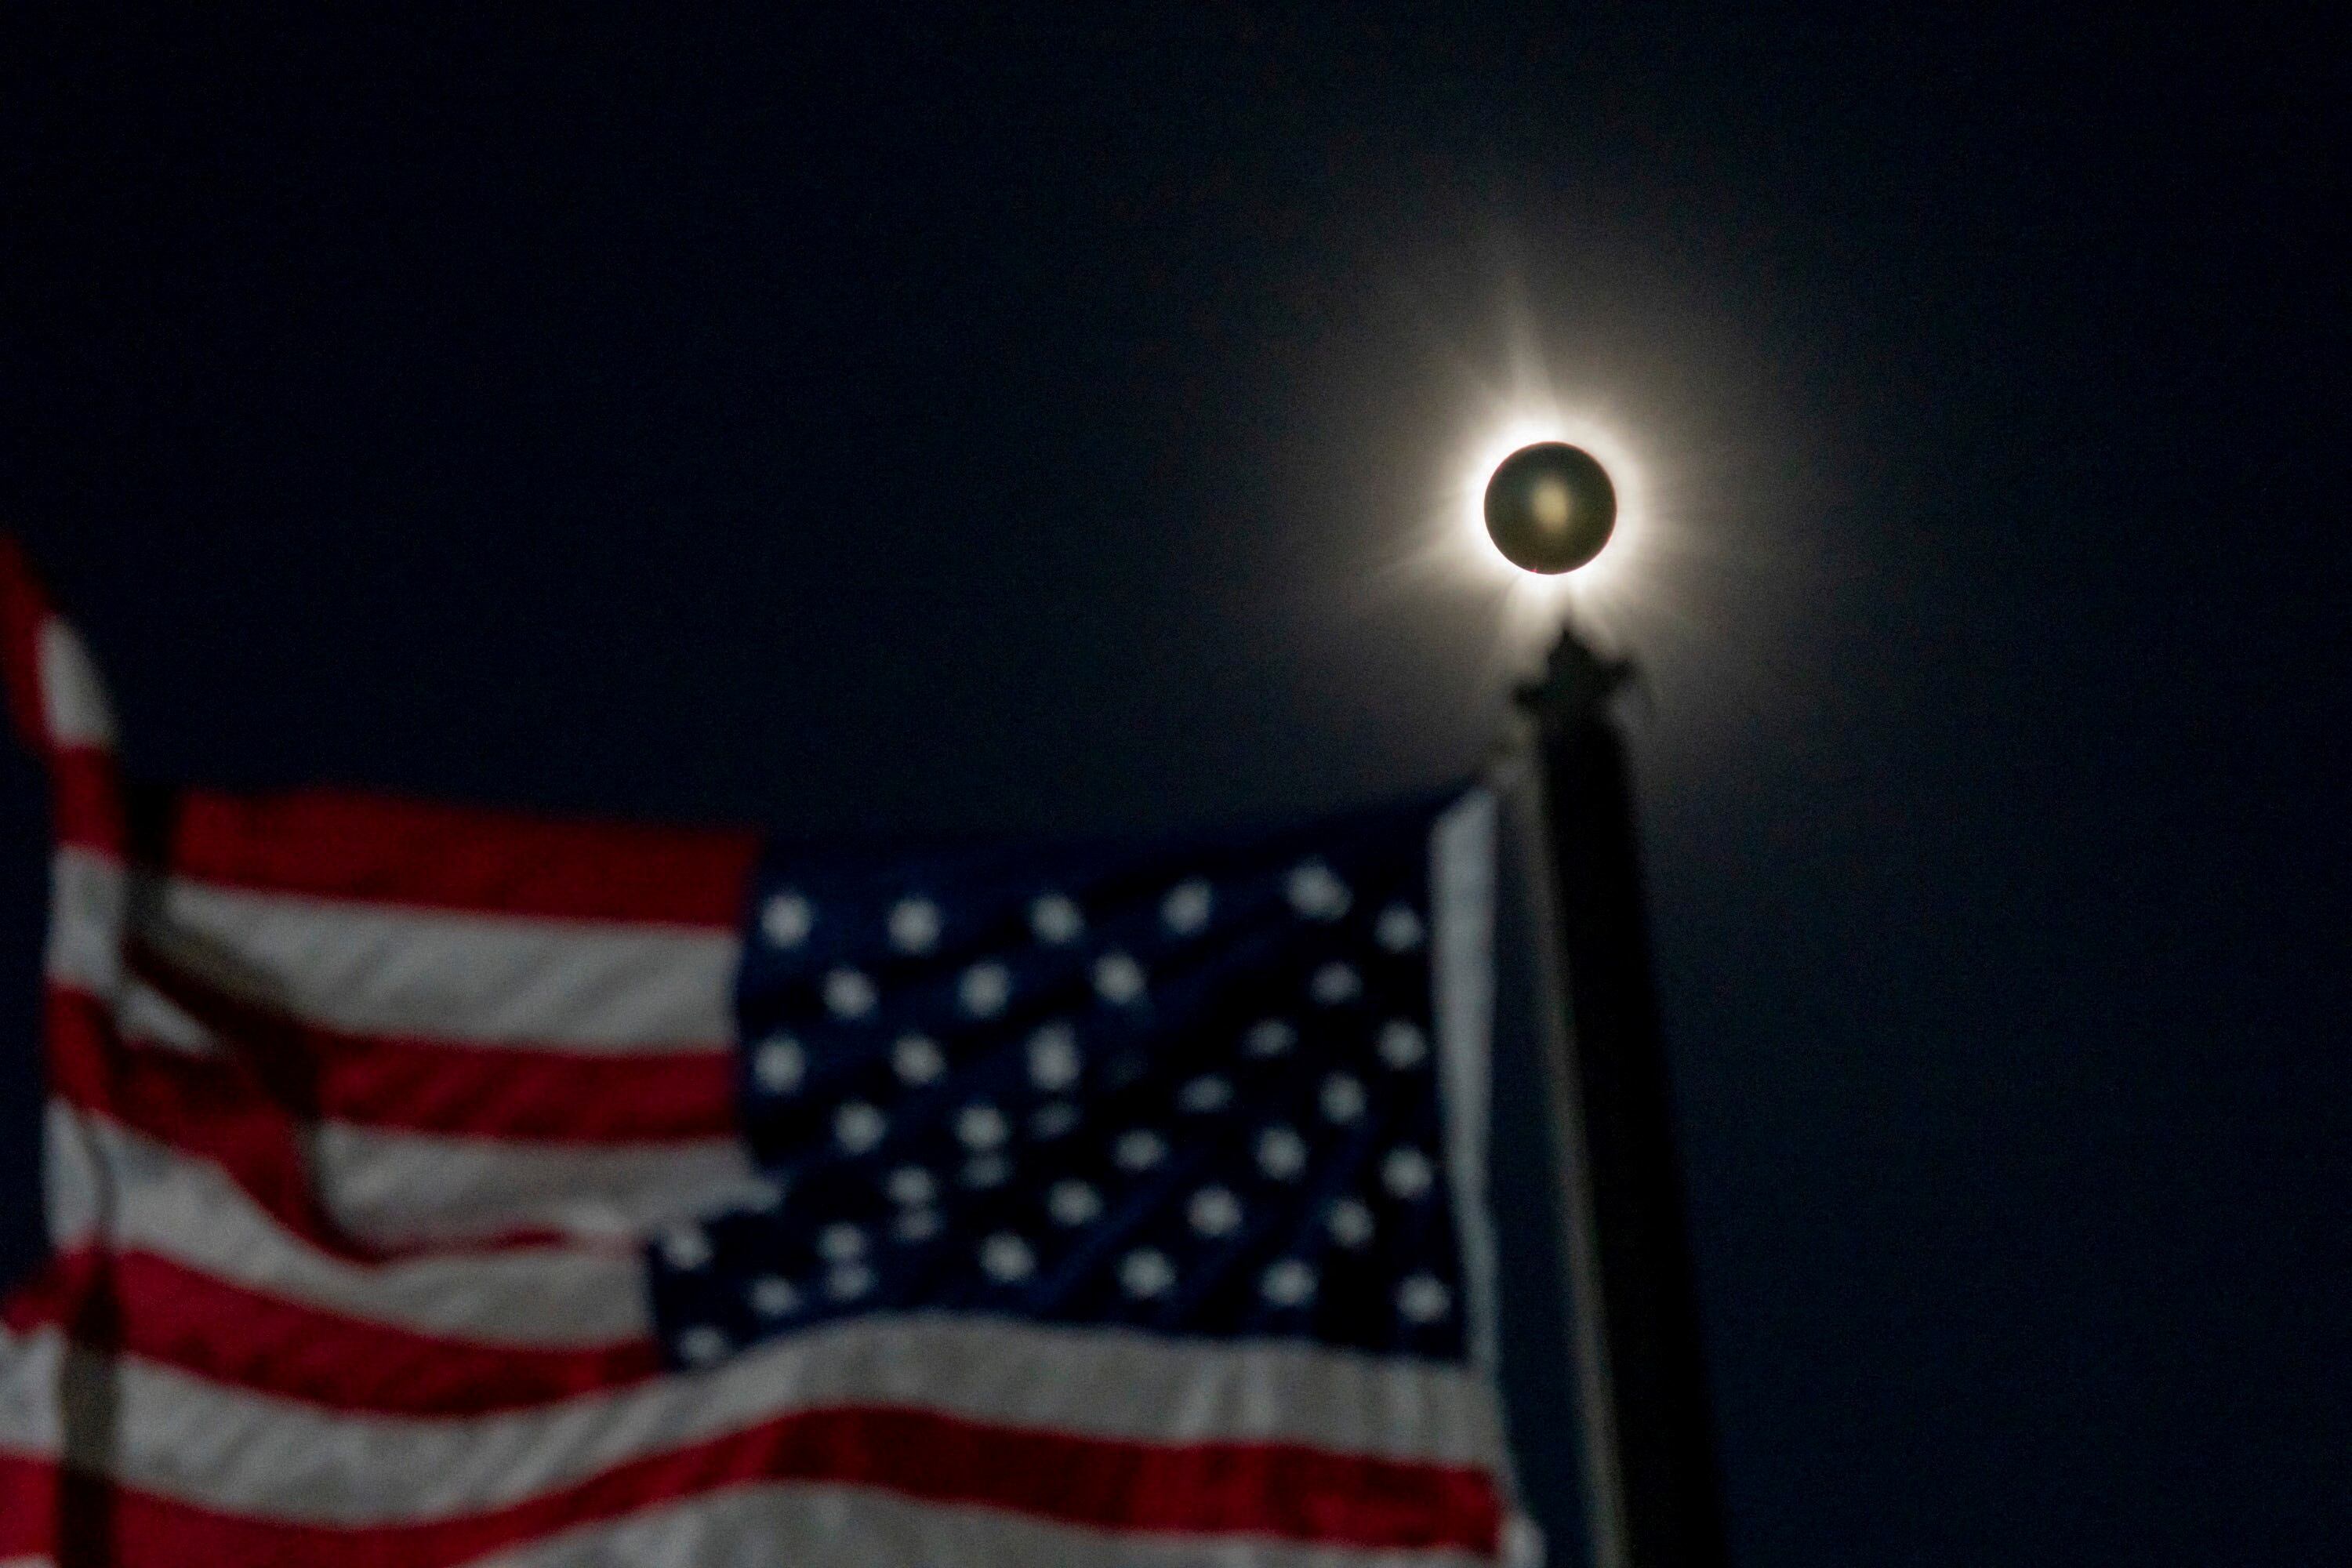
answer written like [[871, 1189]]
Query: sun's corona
[[1603, 574]]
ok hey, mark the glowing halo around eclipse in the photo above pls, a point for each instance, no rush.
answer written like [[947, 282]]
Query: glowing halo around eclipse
[[1608, 575]]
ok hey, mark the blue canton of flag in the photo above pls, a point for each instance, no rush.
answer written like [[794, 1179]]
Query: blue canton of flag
[[1192, 1087]]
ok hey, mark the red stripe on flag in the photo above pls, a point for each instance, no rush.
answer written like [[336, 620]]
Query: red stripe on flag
[[1196, 1490], [23, 607], [183, 1318], [85, 801], [461, 1089], [478, 1092], [207, 1107], [85, 793], [414, 1086], [28, 1505], [334, 844], [213, 1109]]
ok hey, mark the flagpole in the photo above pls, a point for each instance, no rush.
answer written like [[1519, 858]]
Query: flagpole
[[1655, 1487]]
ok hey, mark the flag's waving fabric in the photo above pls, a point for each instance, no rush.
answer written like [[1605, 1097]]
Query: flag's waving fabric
[[414, 1202]]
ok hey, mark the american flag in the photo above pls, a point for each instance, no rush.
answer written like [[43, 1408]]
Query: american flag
[[432, 1186]]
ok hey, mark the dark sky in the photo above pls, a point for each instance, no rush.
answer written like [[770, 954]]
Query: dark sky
[[925, 423]]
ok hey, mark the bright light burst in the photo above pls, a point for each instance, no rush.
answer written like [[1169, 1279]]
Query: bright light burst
[[1456, 543], [1627, 590], [1606, 573]]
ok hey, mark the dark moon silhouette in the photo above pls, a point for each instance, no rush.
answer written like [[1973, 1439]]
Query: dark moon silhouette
[[1550, 508]]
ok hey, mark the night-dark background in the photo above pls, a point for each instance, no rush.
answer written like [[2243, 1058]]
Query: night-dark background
[[912, 422]]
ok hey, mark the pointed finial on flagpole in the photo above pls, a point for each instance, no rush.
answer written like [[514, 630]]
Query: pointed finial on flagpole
[[1576, 682]]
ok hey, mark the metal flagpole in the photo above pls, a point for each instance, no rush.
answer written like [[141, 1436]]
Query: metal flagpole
[[1655, 1490]]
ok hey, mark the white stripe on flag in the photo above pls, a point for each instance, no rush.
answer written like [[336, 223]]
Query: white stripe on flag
[[1461, 982], [378, 969], [146, 1015], [73, 698], [31, 1364], [844, 1527], [397, 1188], [189, 1211], [204, 1442], [87, 894], [1108, 1381]]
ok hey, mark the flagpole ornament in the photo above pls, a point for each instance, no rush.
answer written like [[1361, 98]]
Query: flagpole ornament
[[1550, 508]]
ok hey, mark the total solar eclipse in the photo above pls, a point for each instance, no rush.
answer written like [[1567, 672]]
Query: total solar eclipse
[[1550, 508]]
